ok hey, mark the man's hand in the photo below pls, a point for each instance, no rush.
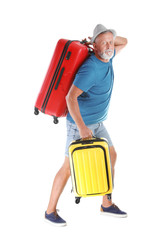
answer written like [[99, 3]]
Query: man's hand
[[120, 43], [87, 42], [85, 132]]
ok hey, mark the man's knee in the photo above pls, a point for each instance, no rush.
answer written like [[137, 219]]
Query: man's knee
[[66, 166]]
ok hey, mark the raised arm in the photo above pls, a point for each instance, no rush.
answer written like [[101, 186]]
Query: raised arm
[[120, 43]]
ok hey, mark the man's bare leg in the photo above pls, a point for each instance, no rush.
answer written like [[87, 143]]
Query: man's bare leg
[[61, 179], [106, 202], [59, 183]]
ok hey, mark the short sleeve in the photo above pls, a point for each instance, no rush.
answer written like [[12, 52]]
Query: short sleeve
[[85, 77]]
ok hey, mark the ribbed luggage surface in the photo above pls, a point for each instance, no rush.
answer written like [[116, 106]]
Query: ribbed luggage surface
[[90, 171], [90, 167]]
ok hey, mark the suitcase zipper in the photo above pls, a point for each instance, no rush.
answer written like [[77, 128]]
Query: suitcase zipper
[[59, 78], [55, 76]]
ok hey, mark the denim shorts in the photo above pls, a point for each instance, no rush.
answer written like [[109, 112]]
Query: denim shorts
[[98, 130]]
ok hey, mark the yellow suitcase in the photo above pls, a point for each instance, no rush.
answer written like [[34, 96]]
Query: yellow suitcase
[[90, 168]]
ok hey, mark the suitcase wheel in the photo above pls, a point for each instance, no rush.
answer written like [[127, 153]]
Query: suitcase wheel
[[36, 111], [77, 200], [56, 120]]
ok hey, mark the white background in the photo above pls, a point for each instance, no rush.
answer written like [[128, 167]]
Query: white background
[[32, 147]]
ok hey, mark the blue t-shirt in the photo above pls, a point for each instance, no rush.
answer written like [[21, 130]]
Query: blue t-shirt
[[95, 78]]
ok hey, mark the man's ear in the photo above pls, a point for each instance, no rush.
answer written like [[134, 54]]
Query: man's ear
[[94, 45]]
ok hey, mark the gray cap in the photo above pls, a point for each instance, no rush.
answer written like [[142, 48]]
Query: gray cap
[[101, 29]]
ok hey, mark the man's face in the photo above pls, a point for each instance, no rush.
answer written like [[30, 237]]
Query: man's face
[[104, 46]]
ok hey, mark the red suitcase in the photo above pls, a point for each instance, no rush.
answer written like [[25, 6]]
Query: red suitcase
[[67, 58]]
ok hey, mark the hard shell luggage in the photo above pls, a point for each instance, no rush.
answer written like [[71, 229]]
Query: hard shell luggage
[[90, 168], [67, 58]]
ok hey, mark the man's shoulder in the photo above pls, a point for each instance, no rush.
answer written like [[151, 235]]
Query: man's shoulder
[[90, 62]]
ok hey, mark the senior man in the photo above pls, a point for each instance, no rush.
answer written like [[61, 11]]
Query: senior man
[[88, 102]]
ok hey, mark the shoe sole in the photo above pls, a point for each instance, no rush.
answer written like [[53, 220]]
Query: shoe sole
[[55, 224], [114, 215]]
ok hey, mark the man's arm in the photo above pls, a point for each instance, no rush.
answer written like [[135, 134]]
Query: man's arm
[[73, 107], [120, 43]]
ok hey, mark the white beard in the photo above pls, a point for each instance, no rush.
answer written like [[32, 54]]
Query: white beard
[[107, 54]]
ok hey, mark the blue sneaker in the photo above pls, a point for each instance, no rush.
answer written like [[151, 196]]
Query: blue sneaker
[[55, 219], [113, 210]]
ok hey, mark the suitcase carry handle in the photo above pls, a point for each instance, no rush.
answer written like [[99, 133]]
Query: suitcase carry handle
[[87, 140], [85, 42], [81, 139]]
